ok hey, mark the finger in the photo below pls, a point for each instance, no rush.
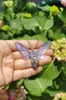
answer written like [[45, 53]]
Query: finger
[[45, 60], [18, 74], [18, 55], [12, 44], [25, 64], [63, 2], [49, 52]]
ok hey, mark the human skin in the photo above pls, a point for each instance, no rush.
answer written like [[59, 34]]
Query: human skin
[[63, 2], [1, 23], [13, 67]]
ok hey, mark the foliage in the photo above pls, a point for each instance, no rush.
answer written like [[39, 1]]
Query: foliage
[[26, 20]]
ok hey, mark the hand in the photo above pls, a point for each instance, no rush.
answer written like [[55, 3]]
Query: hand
[[12, 66], [63, 2]]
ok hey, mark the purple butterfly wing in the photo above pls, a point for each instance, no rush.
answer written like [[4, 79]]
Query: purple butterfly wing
[[43, 49], [25, 52]]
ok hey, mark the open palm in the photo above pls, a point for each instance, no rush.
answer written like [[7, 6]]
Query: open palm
[[12, 66]]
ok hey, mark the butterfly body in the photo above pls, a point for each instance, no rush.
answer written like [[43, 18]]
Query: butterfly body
[[34, 58], [33, 55]]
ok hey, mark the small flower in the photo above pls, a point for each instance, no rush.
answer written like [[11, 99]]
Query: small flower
[[18, 94], [12, 95], [28, 15], [61, 9], [59, 47], [4, 94], [5, 27], [24, 15], [41, 13], [54, 10], [60, 96]]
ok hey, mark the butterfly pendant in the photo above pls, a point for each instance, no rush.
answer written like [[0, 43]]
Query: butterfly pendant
[[35, 56]]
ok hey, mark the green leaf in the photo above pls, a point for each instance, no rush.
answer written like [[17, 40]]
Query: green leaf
[[58, 34], [1, 16], [36, 87], [16, 25], [51, 72], [44, 8], [19, 83], [9, 14], [62, 16], [40, 37], [63, 86], [49, 24], [30, 24], [4, 35], [42, 21], [51, 92], [30, 6], [50, 33]]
